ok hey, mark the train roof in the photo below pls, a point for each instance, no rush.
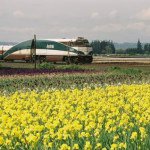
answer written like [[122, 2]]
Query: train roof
[[5, 47], [62, 40], [66, 39]]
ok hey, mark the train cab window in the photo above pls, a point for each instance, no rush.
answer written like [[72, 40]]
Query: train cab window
[[50, 46]]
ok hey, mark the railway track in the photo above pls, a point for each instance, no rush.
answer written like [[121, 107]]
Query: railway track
[[120, 60]]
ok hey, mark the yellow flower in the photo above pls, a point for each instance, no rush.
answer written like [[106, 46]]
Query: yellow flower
[[88, 146], [82, 134], [133, 136], [58, 115], [143, 132], [8, 142], [50, 145], [75, 147], [65, 147], [31, 138], [98, 146], [114, 146], [115, 138], [1, 140], [122, 145]]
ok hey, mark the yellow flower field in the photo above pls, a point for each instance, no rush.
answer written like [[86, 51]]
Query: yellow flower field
[[111, 117]]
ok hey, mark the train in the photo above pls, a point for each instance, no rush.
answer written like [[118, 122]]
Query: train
[[77, 50]]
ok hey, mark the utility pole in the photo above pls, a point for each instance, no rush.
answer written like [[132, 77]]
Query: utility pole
[[35, 51], [2, 52], [69, 61]]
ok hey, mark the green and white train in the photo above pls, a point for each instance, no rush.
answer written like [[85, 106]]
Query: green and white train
[[51, 50]]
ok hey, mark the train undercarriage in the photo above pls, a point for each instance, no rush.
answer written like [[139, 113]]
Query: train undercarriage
[[79, 59], [40, 59], [67, 59]]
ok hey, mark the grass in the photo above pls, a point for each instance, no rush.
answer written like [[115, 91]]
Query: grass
[[94, 74], [65, 80], [45, 65]]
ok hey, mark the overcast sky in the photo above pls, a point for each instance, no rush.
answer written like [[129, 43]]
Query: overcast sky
[[117, 20]]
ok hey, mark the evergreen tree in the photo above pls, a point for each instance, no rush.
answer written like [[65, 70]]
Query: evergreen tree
[[131, 51], [103, 47], [139, 47], [96, 47], [112, 47], [147, 48]]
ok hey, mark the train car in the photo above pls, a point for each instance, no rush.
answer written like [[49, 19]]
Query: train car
[[52, 50], [3, 49], [80, 44]]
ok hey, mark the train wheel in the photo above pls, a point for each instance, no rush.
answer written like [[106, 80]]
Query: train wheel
[[74, 60], [88, 59], [67, 60], [27, 60]]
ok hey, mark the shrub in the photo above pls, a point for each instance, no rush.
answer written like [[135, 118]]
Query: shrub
[[128, 71], [71, 67], [46, 65], [132, 71], [114, 68]]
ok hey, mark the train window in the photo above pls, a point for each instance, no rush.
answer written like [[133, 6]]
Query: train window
[[71, 49], [79, 43], [50, 46]]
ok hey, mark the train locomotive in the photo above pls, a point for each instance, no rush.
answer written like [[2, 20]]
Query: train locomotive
[[50, 50]]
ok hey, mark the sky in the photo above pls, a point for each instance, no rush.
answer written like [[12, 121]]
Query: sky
[[116, 20]]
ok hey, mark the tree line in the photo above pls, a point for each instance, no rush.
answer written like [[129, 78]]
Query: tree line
[[103, 47], [107, 47], [139, 49]]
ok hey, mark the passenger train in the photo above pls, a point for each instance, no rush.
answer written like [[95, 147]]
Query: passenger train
[[51, 50]]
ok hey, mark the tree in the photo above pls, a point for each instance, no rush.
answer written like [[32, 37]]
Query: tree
[[96, 47], [139, 47], [120, 51], [108, 49], [103, 47], [112, 47], [147, 48], [131, 51]]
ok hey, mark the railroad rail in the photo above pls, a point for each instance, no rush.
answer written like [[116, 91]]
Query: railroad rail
[[121, 60]]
